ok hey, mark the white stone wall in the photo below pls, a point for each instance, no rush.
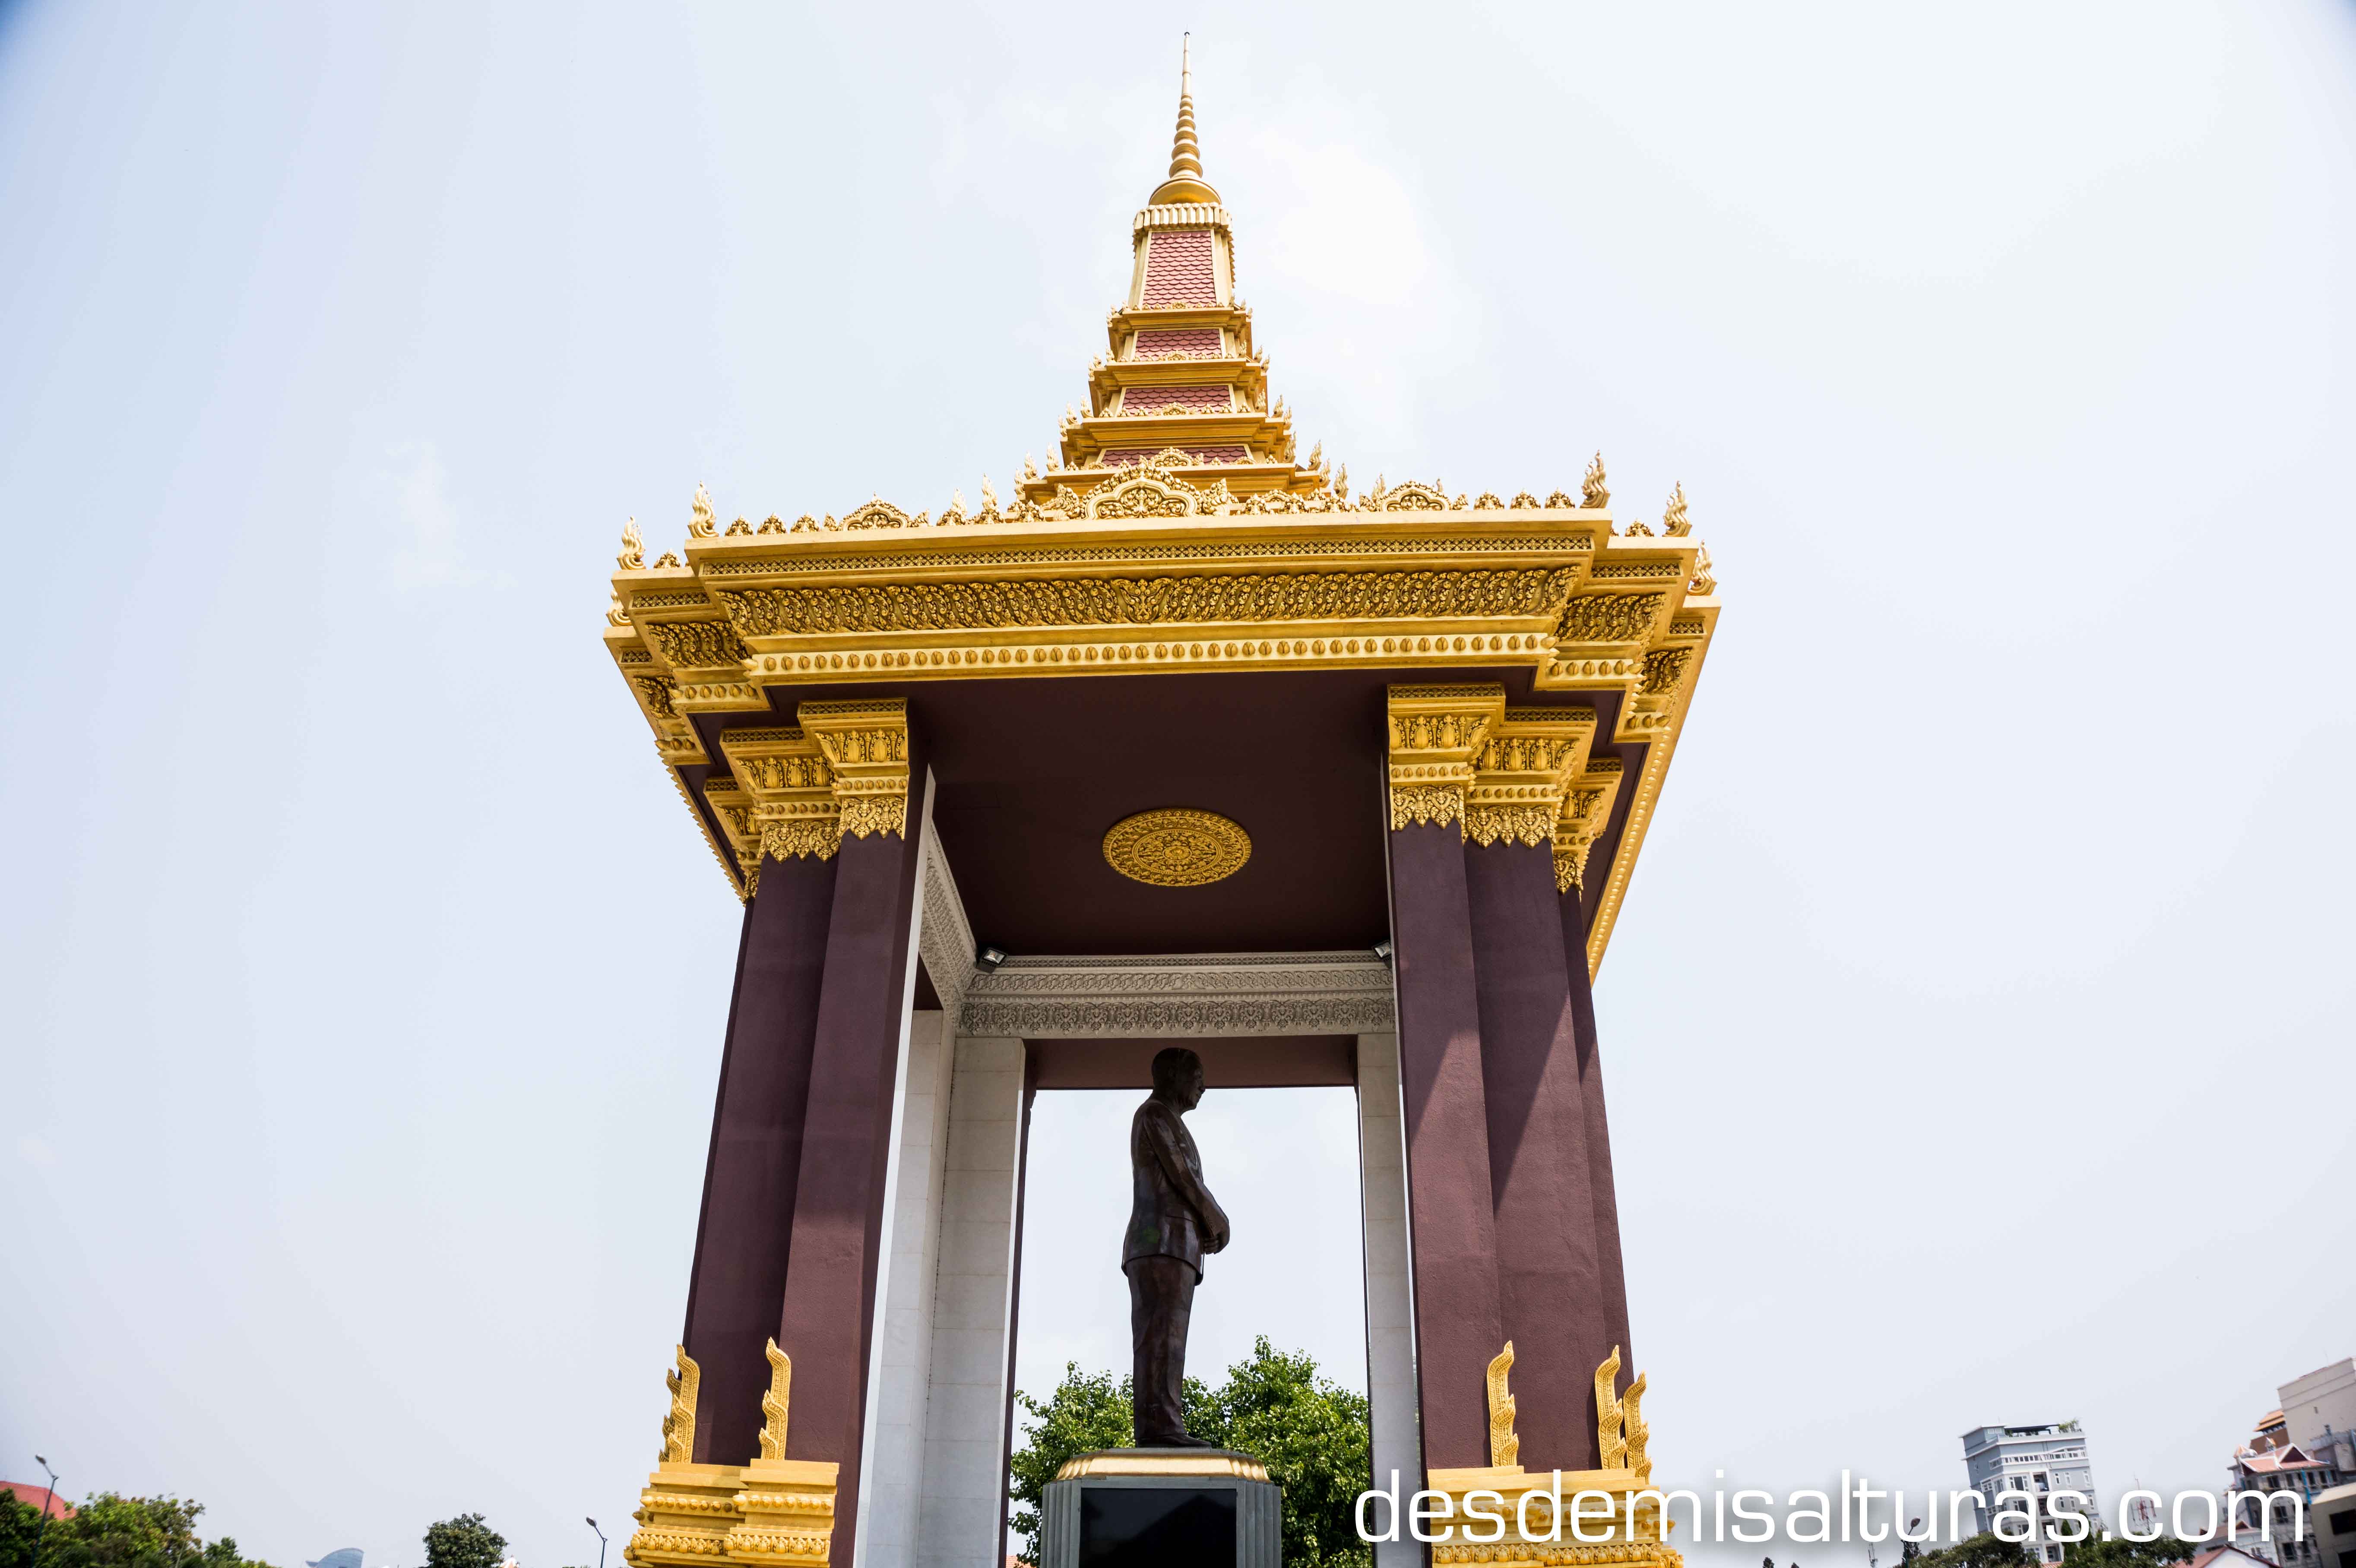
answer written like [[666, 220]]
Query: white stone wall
[[1390, 1322], [903, 1358], [964, 1460]]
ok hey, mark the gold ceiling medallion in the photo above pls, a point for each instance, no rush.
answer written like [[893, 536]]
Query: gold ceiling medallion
[[1176, 847]]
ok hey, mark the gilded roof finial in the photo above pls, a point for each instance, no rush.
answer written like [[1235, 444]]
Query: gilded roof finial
[[1185, 183], [1674, 521]]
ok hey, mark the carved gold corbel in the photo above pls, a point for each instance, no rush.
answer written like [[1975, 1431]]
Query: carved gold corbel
[[1586, 807], [1521, 773], [866, 746], [793, 811], [1436, 732]]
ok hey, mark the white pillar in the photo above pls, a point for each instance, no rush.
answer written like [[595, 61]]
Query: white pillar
[[887, 1536], [963, 1493], [1390, 1331]]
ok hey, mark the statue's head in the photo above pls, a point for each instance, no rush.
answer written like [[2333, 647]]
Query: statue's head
[[1178, 1077]]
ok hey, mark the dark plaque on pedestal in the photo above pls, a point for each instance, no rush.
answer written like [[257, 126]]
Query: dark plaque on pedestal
[[1161, 1507]]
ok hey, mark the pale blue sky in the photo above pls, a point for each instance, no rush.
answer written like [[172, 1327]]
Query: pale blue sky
[[1977, 1026]]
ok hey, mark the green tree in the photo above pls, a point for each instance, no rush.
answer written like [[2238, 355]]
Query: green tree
[[2120, 1553], [1985, 1550], [465, 1542], [1313, 1435], [109, 1530], [20, 1527]]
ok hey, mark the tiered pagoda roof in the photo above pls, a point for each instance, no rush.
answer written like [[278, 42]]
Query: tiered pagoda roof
[[1177, 534]]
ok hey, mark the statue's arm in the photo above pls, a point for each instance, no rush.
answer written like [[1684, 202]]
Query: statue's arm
[[1163, 1135]]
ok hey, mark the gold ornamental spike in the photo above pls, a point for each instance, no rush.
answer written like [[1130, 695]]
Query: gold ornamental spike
[[1185, 183]]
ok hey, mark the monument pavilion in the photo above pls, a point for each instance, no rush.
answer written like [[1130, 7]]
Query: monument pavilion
[[1331, 788]]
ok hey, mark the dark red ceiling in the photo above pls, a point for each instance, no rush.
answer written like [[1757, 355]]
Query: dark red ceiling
[[1029, 772]]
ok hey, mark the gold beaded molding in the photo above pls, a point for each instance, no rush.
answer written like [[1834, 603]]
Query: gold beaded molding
[[1176, 847], [1138, 571]]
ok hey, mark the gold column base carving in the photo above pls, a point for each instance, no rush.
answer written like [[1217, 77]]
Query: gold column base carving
[[778, 1513]]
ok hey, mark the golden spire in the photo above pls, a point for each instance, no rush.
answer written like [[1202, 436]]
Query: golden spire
[[1185, 183]]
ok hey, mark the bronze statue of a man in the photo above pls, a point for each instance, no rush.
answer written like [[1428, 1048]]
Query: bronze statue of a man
[[1172, 1221]]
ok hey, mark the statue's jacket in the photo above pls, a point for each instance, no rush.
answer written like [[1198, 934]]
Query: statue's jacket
[[1165, 1216]]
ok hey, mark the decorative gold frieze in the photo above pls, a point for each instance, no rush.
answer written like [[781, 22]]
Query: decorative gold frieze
[[767, 613], [1176, 847], [1610, 617], [698, 644]]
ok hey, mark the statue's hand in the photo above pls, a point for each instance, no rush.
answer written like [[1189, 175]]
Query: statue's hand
[[1217, 1241]]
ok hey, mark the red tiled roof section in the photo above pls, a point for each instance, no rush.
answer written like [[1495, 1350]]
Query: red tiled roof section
[[1122, 457], [1178, 268], [40, 1497], [1201, 342], [1211, 399]]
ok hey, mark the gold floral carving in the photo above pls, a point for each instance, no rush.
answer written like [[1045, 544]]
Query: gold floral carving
[[774, 1402], [1664, 668], [697, 644], [1487, 824], [1417, 804], [1610, 617], [1593, 494], [817, 836], [657, 692], [1505, 1447], [679, 1425], [1176, 847], [1155, 601]]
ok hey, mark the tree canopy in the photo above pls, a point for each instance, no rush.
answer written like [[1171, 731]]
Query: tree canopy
[[465, 1542], [108, 1530], [1313, 1435]]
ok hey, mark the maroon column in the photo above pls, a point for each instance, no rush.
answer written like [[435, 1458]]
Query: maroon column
[[827, 1319], [1454, 1229], [1611, 1279], [755, 1165], [1548, 1289]]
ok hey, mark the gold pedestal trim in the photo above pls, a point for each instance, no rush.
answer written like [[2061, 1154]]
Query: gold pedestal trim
[[1634, 1542], [778, 1513], [1141, 1462]]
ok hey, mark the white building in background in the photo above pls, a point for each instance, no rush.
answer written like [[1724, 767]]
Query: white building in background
[[2319, 1412], [2269, 1470], [2039, 1461]]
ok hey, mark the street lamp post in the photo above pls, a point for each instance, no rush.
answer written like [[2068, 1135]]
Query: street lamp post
[[601, 1544], [42, 1535]]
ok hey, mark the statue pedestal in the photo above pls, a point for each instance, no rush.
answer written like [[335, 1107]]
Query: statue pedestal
[[1160, 1507]]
